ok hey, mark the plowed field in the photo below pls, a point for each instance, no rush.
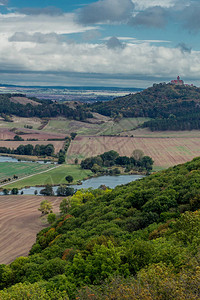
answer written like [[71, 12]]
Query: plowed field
[[164, 151], [19, 223]]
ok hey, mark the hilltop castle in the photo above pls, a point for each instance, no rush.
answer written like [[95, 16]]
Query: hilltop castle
[[177, 81]]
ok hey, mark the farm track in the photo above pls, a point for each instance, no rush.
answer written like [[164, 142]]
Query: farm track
[[19, 223]]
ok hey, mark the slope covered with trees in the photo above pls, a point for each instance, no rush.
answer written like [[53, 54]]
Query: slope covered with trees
[[46, 109], [173, 107], [149, 229]]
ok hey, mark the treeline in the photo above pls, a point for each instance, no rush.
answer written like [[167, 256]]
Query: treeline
[[188, 122], [159, 101], [138, 241], [38, 150], [100, 163], [44, 109]]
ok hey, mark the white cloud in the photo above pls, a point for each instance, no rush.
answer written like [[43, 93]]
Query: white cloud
[[133, 40], [135, 59], [63, 24], [33, 44], [144, 4]]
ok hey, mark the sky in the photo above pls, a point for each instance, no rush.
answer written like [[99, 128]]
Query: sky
[[122, 43]]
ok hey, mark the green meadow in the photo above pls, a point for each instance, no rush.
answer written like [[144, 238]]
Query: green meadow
[[55, 176], [9, 169]]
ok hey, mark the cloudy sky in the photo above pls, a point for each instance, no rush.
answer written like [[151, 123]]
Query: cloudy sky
[[124, 43]]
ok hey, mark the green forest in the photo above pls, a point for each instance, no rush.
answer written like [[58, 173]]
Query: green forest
[[104, 163], [44, 109], [137, 241], [171, 107]]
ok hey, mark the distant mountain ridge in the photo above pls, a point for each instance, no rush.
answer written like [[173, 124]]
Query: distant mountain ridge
[[173, 107]]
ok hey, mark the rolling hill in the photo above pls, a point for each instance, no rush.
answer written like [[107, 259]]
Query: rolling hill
[[171, 107]]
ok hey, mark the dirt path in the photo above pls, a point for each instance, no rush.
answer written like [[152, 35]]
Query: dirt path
[[19, 223], [28, 176]]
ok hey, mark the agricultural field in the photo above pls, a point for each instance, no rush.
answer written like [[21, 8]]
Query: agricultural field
[[99, 125], [24, 101], [9, 169], [14, 144], [6, 133], [55, 176], [165, 152], [145, 132], [20, 122], [19, 223]]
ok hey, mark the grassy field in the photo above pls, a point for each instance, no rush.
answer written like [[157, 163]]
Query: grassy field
[[97, 126], [164, 151], [55, 176], [19, 122], [145, 132], [8, 169]]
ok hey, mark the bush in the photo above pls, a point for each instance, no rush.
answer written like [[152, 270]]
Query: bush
[[51, 218]]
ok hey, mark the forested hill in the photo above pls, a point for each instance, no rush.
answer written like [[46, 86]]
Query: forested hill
[[149, 229], [178, 106], [44, 109]]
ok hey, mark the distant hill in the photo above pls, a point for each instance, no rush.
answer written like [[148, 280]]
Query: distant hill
[[20, 105], [173, 107], [24, 101]]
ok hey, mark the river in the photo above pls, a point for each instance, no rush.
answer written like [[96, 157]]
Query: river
[[95, 182]]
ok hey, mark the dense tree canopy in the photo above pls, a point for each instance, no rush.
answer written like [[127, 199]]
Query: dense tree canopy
[[111, 158], [44, 109], [173, 107], [137, 241]]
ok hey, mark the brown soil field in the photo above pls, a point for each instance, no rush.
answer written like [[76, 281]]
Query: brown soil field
[[14, 144], [30, 134], [145, 132], [20, 221], [6, 133], [24, 101], [164, 151]]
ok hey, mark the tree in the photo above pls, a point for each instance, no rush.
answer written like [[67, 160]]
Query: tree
[[47, 191], [51, 218], [147, 162], [64, 206], [61, 158], [45, 207], [14, 191], [18, 138], [76, 161], [138, 154], [73, 135], [64, 190], [5, 191], [69, 178]]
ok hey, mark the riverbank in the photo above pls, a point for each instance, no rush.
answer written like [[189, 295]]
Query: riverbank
[[30, 157], [54, 176]]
